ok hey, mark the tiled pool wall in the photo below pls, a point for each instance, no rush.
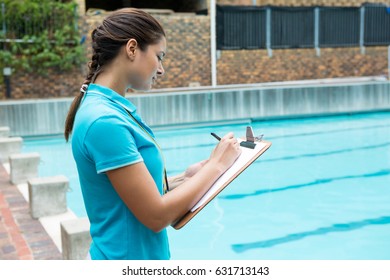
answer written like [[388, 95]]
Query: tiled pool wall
[[213, 105]]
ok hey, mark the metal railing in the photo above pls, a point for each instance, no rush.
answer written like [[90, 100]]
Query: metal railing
[[257, 27]]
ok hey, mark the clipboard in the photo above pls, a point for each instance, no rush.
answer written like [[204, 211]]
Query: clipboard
[[251, 154]]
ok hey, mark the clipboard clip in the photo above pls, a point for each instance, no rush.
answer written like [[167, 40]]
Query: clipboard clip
[[250, 139]]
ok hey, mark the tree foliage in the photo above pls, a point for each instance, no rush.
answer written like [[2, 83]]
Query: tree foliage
[[39, 35]]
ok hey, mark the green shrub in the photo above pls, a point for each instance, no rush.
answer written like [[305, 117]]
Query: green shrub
[[40, 34]]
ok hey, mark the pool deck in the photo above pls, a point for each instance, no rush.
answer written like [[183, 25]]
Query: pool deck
[[21, 236]]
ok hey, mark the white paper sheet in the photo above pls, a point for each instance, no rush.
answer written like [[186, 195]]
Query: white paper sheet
[[241, 161]]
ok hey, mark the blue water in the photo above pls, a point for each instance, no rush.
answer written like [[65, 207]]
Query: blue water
[[322, 191]]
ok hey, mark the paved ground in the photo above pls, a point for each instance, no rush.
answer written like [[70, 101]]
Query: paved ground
[[21, 236]]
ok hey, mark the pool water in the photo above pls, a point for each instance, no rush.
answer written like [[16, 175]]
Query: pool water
[[322, 191]]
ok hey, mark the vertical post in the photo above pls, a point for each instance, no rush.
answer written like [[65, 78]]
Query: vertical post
[[82, 8], [388, 61], [254, 2], [317, 30], [76, 18], [7, 81], [6, 70], [268, 31], [213, 45], [3, 16], [361, 37]]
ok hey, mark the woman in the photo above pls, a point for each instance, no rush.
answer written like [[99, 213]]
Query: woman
[[121, 167]]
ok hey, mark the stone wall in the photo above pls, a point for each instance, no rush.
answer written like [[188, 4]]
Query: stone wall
[[188, 51], [255, 66], [33, 85], [344, 3], [188, 48]]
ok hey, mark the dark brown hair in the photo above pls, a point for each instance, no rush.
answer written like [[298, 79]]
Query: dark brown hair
[[107, 39]]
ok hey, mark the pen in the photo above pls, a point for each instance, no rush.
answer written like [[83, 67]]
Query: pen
[[216, 136]]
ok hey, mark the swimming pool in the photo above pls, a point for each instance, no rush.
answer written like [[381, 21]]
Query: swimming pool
[[322, 191]]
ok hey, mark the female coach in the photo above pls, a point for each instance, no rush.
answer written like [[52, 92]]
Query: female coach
[[120, 165]]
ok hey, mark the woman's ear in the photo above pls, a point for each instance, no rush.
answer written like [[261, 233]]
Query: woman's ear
[[131, 48]]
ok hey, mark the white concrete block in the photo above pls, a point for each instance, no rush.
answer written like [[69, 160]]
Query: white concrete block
[[4, 131], [23, 167], [75, 239], [47, 195], [9, 146]]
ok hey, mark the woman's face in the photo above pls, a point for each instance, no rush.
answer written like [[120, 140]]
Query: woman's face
[[148, 66]]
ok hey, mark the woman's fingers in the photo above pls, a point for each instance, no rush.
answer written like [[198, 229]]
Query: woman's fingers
[[227, 151], [229, 135]]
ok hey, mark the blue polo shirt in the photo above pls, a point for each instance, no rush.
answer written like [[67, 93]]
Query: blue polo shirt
[[104, 138]]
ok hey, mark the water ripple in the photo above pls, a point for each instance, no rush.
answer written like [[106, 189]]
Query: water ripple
[[240, 248], [295, 157], [383, 172], [342, 151], [284, 136]]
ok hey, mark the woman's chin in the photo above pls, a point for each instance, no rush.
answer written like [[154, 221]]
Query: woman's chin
[[145, 87]]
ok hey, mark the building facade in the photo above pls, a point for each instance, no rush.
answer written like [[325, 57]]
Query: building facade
[[188, 60]]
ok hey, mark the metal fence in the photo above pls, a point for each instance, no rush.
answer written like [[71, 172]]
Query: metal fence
[[241, 27], [292, 27], [377, 26], [339, 27], [241, 30]]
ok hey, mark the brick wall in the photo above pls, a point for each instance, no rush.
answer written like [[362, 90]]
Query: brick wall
[[235, 2], [255, 66], [54, 84], [188, 49], [344, 3]]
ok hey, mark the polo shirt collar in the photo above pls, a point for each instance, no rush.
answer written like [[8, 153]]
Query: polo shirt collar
[[113, 96]]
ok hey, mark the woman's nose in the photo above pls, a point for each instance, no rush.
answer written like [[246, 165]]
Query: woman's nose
[[160, 70]]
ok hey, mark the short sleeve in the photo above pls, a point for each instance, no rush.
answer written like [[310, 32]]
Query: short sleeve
[[110, 144]]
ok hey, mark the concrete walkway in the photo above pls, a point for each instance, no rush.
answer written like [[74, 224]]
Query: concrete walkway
[[21, 236]]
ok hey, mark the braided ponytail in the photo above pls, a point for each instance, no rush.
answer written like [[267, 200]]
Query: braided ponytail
[[107, 39], [92, 74]]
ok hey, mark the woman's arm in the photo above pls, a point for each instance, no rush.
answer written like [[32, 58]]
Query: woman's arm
[[137, 189], [177, 180]]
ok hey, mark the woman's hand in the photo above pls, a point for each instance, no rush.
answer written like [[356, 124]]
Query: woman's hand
[[226, 152], [222, 157], [194, 168], [175, 181]]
